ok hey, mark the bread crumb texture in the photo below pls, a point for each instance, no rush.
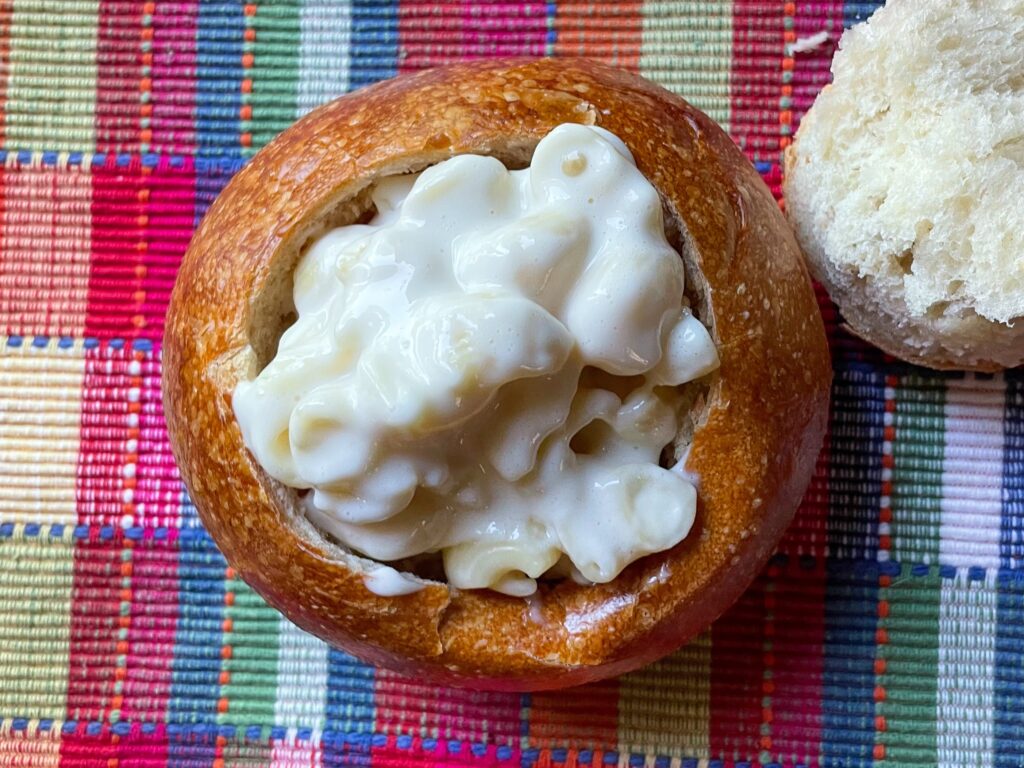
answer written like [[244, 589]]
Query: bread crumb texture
[[906, 182]]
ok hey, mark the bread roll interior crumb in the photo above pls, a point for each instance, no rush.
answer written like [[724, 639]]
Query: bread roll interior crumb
[[906, 181]]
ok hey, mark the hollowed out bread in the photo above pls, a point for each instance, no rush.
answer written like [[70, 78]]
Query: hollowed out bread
[[906, 182], [755, 431]]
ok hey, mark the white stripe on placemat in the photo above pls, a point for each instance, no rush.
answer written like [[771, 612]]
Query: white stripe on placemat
[[326, 29], [972, 472], [964, 703], [301, 679]]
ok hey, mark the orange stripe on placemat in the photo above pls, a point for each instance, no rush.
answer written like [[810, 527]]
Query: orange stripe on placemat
[[613, 35], [586, 719]]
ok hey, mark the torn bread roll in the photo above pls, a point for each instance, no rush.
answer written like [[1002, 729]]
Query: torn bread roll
[[905, 182], [748, 432]]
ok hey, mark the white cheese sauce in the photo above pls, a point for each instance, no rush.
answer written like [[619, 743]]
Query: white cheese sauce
[[489, 369]]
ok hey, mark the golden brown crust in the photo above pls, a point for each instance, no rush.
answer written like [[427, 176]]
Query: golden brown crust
[[754, 455]]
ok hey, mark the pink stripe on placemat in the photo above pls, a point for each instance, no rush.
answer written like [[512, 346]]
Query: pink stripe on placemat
[[158, 490], [151, 626], [504, 29], [102, 575], [168, 219], [171, 96], [756, 80]]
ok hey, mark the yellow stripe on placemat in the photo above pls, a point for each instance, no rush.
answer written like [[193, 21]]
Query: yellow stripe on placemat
[[664, 708], [51, 88], [35, 622], [687, 48], [40, 418]]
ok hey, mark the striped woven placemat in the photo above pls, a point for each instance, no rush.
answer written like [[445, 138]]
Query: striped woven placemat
[[889, 628]]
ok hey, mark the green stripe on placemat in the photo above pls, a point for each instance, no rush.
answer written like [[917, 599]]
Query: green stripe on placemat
[[275, 70], [252, 636], [35, 623], [917, 472], [909, 679]]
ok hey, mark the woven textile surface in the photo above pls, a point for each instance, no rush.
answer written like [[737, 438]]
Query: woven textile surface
[[888, 629]]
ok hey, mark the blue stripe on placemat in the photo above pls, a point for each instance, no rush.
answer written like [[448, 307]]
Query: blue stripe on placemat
[[848, 707], [1011, 540], [374, 42], [195, 686], [855, 479], [854, 13], [350, 710], [211, 178], [1008, 721], [219, 77]]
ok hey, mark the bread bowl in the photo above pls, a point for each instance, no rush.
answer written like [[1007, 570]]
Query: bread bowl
[[752, 437]]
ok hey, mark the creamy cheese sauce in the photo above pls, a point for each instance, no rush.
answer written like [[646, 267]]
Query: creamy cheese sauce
[[489, 368]]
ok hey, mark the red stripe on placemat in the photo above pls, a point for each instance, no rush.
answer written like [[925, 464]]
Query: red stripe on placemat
[[737, 677], [433, 34], [429, 34], [808, 534], [148, 673], [614, 37], [811, 67], [118, 195], [94, 643], [757, 66], [404, 706], [142, 223], [119, 67], [799, 643], [102, 575]]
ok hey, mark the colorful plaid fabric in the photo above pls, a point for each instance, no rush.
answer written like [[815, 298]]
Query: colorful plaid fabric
[[888, 630]]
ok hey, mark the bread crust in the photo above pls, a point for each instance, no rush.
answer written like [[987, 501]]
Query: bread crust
[[754, 453]]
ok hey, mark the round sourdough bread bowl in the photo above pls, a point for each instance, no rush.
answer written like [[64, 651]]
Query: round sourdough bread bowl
[[751, 440]]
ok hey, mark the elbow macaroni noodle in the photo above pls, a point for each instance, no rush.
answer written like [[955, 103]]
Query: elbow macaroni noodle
[[489, 369]]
